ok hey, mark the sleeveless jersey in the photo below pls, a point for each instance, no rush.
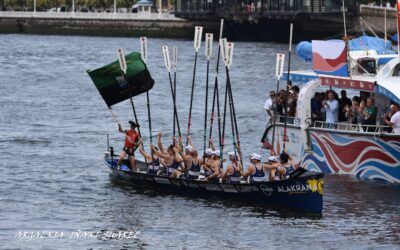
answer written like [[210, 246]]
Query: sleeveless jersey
[[154, 166], [194, 171], [258, 176]]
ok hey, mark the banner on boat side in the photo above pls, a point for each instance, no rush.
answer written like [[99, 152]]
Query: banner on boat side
[[116, 86], [345, 83], [330, 57]]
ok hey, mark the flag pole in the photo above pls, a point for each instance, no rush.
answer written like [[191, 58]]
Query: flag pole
[[398, 27], [197, 43], [287, 87]]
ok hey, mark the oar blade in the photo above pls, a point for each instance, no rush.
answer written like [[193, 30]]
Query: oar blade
[[121, 59], [167, 61], [280, 61], [197, 37], [143, 48]]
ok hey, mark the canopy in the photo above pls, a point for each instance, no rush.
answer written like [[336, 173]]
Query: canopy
[[304, 49], [114, 87], [371, 43]]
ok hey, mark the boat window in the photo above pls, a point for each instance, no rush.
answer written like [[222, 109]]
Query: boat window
[[396, 71]]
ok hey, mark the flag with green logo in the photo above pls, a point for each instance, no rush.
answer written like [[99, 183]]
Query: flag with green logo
[[116, 87]]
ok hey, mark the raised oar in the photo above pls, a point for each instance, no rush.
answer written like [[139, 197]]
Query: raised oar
[[143, 54], [287, 88], [280, 61], [168, 67], [228, 59], [197, 43], [216, 94], [208, 52], [123, 66], [174, 63], [224, 43]]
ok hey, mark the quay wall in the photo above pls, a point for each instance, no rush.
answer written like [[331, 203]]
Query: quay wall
[[374, 17], [168, 28]]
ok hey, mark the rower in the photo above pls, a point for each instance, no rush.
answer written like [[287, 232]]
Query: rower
[[232, 172], [213, 167], [193, 171], [271, 166], [285, 167], [255, 170], [172, 158], [131, 141], [153, 161]]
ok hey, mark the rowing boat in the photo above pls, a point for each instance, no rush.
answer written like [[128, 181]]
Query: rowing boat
[[300, 193]]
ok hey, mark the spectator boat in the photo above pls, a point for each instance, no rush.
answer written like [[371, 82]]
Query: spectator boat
[[365, 151]]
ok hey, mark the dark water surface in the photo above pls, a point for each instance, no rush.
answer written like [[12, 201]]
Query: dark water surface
[[53, 126]]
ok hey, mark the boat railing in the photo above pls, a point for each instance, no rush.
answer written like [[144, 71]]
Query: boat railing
[[342, 126]]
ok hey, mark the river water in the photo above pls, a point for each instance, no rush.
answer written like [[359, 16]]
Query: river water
[[53, 134]]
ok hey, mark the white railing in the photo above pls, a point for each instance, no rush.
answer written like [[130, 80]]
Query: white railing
[[89, 15], [366, 6], [350, 127]]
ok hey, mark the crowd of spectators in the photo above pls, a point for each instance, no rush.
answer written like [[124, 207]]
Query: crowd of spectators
[[332, 110]]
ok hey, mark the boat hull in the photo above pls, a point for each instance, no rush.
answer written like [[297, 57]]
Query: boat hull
[[302, 194], [365, 155]]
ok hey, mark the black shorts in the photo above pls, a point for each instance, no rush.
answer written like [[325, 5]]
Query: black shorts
[[129, 151]]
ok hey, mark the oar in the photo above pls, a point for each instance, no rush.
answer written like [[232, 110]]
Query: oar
[[208, 52], [123, 66], [216, 94], [143, 54], [168, 67], [224, 43], [287, 87], [228, 59], [197, 43], [174, 63], [280, 61]]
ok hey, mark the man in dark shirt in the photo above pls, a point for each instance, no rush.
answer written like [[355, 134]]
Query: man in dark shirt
[[316, 106], [343, 102]]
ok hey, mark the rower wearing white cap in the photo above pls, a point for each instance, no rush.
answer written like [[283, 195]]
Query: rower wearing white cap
[[213, 167], [232, 172], [272, 165], [255, 170]]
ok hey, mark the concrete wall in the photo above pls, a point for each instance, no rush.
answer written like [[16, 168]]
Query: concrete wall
[[375, 18], [100, 27]]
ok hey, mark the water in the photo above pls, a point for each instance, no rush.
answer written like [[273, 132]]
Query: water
[[53, 134]]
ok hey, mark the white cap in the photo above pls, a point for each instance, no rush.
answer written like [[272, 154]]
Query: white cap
[[217, 152], [231, 153], [272, 158], [189, 148], [209, 151], [255, 156]]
